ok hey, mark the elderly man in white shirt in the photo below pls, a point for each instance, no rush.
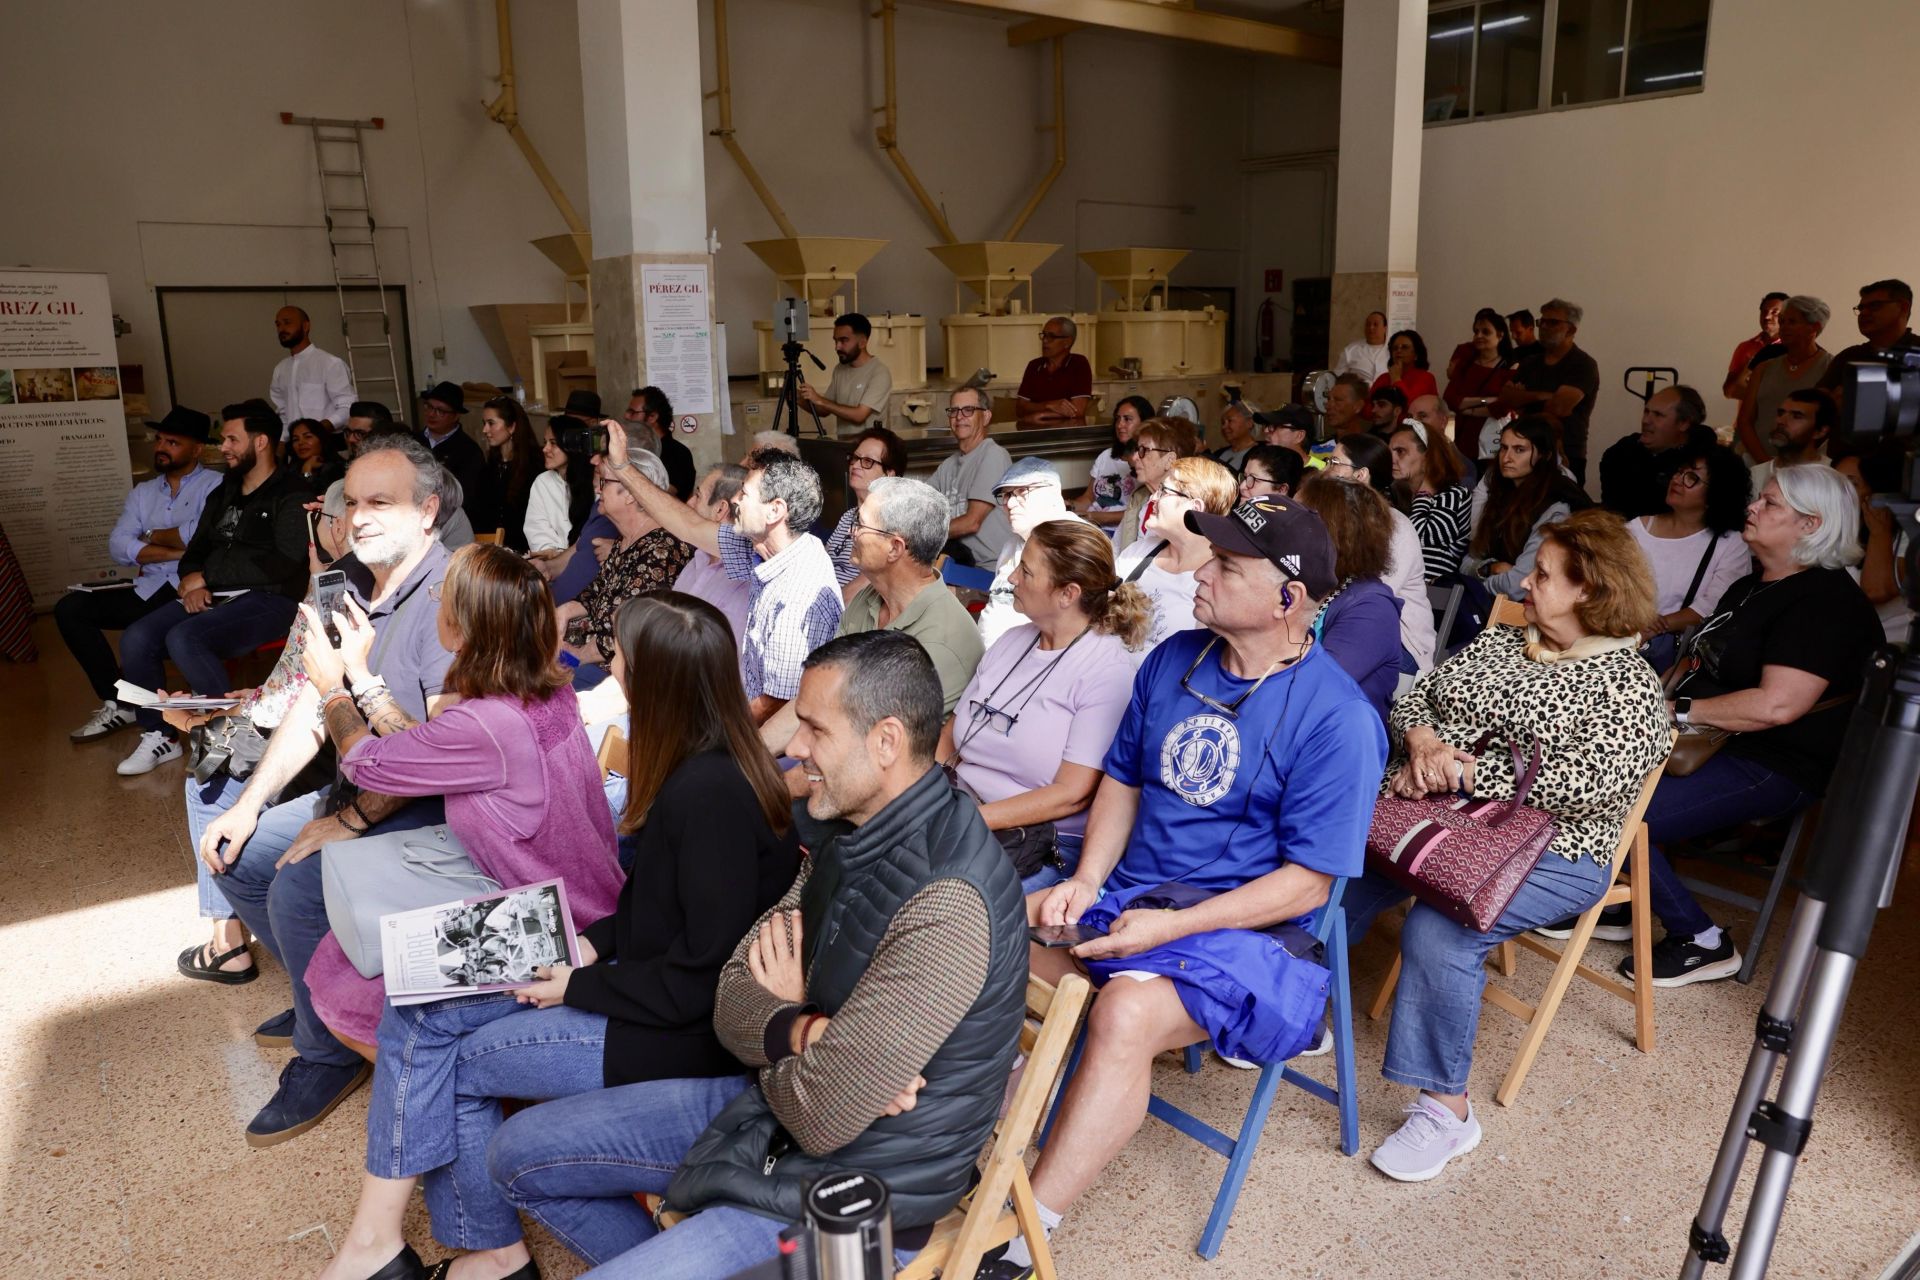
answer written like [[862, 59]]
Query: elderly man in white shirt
[[1367, 358], [309, 382]]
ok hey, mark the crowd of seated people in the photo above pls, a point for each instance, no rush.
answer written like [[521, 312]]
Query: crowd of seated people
[[844, 799]]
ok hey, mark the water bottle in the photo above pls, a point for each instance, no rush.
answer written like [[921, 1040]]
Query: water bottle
[[852, 1227], [520, 391]]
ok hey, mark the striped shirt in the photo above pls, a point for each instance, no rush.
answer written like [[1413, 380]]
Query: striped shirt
[[1443, 521], [793, 607]]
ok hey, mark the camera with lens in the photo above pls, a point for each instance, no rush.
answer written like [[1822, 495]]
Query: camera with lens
[[1883, 394], [576, 436]]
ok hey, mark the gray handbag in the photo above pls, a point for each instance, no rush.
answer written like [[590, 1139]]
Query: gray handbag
[[377, 875]]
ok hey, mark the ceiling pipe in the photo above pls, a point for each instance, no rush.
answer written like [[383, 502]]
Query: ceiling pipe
[[1059, 128], [723, 92], [888, 134], [505, 110]]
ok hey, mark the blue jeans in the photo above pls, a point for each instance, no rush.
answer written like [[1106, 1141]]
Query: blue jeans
[[285, 908], [1436, 1007], [574, 1166], [589, 675], [1724, 792], [200, 811], [437, 1084], [200, 643]]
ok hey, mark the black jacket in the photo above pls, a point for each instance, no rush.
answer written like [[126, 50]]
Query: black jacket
[[708, 865], [256, 541], [679, 461], [925, 1156], [460, 453]]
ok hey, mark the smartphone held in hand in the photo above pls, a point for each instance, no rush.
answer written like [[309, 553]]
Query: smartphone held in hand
[[329, 598]]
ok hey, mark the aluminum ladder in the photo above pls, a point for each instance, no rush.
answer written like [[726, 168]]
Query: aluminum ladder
[[346, 202]]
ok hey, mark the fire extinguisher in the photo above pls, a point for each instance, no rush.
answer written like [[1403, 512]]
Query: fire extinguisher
[[1263, 354]]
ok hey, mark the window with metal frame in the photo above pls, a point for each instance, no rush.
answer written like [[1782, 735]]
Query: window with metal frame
[[1506, 57]]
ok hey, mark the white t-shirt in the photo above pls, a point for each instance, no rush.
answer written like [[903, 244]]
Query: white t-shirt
[[1367, 361], [1111, 481], [1675, 560], [1171, 595], [999, 616]]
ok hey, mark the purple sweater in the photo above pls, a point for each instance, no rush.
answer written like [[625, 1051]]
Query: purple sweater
[[523, 794]]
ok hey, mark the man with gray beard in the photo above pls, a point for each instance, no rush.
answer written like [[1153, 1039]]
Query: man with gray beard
[[259, 844]]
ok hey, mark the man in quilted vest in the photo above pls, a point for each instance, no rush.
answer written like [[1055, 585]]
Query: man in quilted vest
[[880, 1000], [1239, 786]]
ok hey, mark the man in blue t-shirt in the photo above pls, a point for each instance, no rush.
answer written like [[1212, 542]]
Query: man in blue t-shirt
[[1245, 768]]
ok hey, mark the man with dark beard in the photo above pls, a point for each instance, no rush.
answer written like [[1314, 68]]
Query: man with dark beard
[[152, 533], [308, 382], [857, 393], [241, 576], [259, 850]]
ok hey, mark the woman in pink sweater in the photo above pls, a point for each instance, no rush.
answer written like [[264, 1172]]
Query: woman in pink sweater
[[511, 757]]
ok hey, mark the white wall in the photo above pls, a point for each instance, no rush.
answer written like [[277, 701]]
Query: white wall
[[156, 152], [1667, 219]]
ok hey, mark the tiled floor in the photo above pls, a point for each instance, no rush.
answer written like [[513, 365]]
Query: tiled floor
[[126, 1089]]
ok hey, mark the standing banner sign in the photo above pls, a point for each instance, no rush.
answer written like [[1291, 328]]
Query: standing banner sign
[[64, 471]]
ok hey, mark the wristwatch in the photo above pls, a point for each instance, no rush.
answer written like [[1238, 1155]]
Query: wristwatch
[[1682, 711]]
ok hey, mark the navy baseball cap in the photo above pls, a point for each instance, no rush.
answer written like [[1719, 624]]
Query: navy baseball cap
[[1285, 533]]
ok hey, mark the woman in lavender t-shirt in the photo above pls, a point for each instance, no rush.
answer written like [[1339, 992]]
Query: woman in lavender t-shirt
[[1031, 728]]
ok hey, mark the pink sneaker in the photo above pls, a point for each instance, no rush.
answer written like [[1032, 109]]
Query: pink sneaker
[[1422, 1146]]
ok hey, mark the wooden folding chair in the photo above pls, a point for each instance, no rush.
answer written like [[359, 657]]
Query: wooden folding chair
[[986, 1219], [1632, 853], [1506, 613], [613, 751], [496, 538]]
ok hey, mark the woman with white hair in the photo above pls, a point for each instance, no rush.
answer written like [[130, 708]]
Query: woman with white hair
[[1800, 363], [1777, 667], [647, 559]]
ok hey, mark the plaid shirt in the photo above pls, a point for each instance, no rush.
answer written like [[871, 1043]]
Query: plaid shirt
[[793, 607]]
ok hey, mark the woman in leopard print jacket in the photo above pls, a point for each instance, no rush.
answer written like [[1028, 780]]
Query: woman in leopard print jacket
[[1573, 680]]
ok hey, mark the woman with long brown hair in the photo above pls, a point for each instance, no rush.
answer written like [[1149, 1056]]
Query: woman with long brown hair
[[513, 462], [715, 851]]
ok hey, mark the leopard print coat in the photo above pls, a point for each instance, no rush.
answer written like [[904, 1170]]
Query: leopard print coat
[[1601, 721]]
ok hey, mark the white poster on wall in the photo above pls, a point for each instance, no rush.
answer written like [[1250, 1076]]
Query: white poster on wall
[[1403, 302], [64, 471], [677, 333]]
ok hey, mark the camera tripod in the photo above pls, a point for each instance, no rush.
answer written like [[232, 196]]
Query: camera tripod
[[1850, 876], [788, 404]]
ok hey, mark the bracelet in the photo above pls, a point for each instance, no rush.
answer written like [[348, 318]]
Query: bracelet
[[358, 812], [342, 819], [338, 691], [806, 1028]]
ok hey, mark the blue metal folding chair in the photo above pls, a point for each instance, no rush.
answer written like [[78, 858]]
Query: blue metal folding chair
[[1331, 929]]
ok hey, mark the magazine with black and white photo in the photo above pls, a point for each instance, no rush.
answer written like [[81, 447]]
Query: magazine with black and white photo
[[492, 942]]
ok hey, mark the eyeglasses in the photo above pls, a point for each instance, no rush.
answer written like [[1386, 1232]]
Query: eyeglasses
[[859, 462], [859, 524], [1052, 337], [1255, 478], [1168, 491], [1231, 710], [964, 410], [1872, 304], [1689, 479], [1001, 722], [1148, 448], [1341, 463]]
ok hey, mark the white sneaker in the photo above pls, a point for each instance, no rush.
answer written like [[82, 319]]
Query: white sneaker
[[1311, 1051], [1423, 1145], [110, 718], [155, 749]]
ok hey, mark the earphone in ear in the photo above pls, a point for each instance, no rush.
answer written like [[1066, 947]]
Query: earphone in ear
[[1286, 598]]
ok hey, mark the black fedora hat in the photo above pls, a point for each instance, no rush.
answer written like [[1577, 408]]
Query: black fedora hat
[[184, 424], [584, 404], [448, 394]]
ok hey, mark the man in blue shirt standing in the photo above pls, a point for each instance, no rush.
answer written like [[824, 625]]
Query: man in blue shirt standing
[[152, 533], [1243, 775]]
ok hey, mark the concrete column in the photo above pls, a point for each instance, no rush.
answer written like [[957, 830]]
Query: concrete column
[[640, 66], [1382, 88]]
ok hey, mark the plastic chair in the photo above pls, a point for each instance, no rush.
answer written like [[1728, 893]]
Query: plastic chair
[[1330, 929], [965, 576], [1804, 824]]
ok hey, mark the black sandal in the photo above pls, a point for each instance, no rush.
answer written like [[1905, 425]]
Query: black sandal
[[440, 1269], [193, 965]]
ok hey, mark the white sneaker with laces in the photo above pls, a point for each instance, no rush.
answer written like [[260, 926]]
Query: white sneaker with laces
[[1421, 1147], [155, 749], [110, 718]]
